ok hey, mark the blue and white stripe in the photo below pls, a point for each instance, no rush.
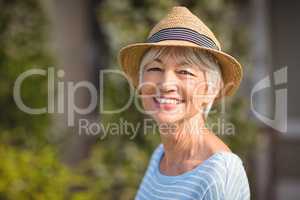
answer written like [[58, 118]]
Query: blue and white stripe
[[222, 176], [185, 34]]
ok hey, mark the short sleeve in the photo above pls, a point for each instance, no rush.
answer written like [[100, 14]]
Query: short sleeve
[[236, 183]]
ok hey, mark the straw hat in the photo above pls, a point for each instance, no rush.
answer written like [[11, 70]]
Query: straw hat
[[182, 28]]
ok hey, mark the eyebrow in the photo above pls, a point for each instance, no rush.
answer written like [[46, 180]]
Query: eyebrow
[[182, 63]]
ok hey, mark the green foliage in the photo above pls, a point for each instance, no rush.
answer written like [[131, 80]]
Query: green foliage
[[30, 167], [38, 174], [27, 174], [22, 47]]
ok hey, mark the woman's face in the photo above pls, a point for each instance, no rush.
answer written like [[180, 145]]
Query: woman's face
[[172, 89]]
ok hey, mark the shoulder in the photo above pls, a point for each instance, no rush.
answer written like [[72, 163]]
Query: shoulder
[[233, 164], [156, 154], [214, 143], [232, 182], [231, 160], [236, 182], [154, 158], [157, 150]]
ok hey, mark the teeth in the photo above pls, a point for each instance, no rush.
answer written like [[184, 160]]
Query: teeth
[[167, 101]]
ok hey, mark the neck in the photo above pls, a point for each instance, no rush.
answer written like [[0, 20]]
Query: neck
[[184, 141]]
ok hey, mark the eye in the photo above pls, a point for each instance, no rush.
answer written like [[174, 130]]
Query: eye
[[154, 69], [185, 72]]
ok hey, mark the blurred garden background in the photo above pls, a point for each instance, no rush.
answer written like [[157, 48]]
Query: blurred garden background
[[44, 158]]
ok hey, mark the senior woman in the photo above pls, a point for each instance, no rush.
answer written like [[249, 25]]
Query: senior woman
[[179, 73]]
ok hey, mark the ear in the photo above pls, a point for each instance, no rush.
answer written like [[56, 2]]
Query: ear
[[213, 92], [138, 93]]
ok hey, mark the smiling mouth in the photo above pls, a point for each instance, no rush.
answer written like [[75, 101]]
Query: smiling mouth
[[170, 101]]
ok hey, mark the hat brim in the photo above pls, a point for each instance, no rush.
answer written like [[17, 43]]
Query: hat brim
[[130, 57]]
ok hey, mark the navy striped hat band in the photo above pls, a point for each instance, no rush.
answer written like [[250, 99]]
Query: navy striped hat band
[[185, 34]]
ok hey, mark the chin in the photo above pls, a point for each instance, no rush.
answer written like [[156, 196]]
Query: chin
[[167, 117]]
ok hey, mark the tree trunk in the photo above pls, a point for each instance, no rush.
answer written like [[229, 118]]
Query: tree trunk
[[81, 51]]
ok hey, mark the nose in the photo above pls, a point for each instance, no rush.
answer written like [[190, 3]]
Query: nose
[[169, 82]]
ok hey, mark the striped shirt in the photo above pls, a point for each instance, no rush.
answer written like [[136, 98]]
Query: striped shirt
[[221, 176]]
